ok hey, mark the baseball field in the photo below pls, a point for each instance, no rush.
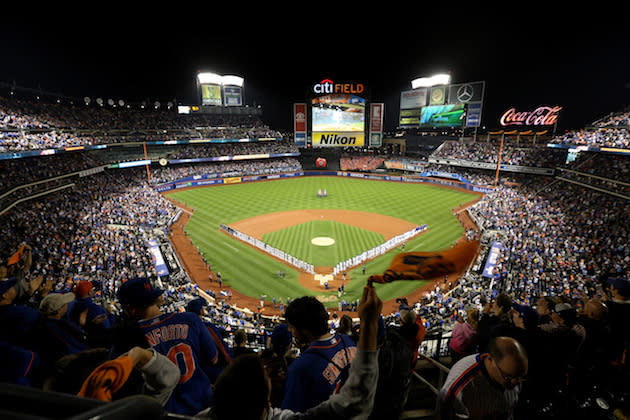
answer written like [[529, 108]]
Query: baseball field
[[287, 214]]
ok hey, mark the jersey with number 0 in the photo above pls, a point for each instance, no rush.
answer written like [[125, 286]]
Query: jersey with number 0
[[184, 339]]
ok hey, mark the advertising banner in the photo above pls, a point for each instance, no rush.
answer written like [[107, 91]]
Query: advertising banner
[[493, 258], [464, 93], [299, 124], [438, 95], [211, 95], [473, 116], [156, 257], [416, 98], [338, 139], [232, 96], [376, 124]]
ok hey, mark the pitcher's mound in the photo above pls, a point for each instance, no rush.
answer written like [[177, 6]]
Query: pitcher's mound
[[322, 241]]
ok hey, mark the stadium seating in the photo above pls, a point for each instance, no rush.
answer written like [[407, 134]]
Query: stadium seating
[[563, 237]]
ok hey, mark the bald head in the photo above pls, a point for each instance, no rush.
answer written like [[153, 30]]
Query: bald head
[[510, 360], [595, 309]]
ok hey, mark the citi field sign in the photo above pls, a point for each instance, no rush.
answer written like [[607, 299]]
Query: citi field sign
[[328, 86]]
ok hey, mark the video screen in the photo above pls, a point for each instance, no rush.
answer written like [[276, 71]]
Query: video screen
[[443, 115], [338, 113]]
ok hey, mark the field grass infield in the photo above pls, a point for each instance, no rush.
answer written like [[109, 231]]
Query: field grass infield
[[254, 273]]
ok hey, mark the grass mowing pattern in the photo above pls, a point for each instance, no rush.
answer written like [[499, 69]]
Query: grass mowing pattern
[[254, 274], [349, 241]]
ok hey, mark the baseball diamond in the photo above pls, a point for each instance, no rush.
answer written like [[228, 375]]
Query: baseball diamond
[[363, 208]]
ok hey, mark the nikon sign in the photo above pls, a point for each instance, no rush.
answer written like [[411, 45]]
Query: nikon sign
[[338, 139]]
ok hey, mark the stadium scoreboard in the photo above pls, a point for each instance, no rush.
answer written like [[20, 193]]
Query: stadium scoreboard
[[338, 115], [218, 90], [442, 106]]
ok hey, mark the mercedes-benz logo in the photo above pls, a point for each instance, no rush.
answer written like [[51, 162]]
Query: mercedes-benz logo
[[465, 93]]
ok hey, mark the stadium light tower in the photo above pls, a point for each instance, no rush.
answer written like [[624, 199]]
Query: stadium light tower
[[436, 79]]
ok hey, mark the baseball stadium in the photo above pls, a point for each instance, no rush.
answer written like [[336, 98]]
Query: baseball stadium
[[155, 258]]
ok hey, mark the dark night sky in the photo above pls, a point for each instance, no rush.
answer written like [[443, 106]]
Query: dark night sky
[[524, 62]]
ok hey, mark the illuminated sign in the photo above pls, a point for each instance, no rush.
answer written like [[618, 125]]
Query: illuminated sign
[[328, 86], [329, 139], [543, 115]]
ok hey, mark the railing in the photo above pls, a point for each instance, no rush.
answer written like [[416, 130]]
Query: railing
[[31, 403]]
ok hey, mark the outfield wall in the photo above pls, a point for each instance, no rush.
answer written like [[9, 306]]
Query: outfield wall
[[174, 185]]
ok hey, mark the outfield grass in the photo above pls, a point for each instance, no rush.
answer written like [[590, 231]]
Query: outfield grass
[[349, 241], [255, 274]]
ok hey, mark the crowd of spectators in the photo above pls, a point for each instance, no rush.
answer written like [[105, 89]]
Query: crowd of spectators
[[511, 154], [610, 131], [560, 290], [32, 124]]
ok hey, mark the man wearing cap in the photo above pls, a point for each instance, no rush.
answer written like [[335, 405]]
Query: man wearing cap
[[180, 336], [197, 306], [97, 316], [55, 336]]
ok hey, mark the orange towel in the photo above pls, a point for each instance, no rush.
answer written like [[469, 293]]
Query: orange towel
[[107, 379], [15, 258], [428, 265]]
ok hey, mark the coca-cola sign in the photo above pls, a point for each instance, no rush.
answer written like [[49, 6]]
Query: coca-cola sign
[[543, 115]]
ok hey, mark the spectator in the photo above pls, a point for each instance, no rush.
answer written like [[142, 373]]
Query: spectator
[[55, 336], [317, 372], [277, 360], [196, 306], [345, 325], [484, 385], [240, 344], [139, 371], [182, 337], [394, 374], [245, 378], [494, 320], [618, 314], [464, 337]]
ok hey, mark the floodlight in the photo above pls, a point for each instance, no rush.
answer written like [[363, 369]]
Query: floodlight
[[209, 78], [437, 79], [121, 102], [232, 80]]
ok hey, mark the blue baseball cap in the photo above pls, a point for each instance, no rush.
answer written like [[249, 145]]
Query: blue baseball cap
[[6, 285], [138, 292], [621, 284], [281, 337], [195, 306]]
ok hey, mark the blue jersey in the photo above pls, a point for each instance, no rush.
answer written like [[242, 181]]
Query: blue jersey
[[184, 339], [311, 378]]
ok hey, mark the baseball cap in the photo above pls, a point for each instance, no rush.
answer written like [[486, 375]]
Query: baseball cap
[[621, 284], [562, 307], [281, 337], [83, 288], [53, 301], [195, 306], [6, 285], [138, 292]]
